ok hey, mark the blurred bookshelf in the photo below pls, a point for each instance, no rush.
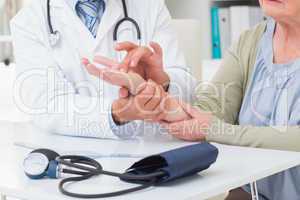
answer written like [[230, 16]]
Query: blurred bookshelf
[[233, 13], [229, 19], [201, 11]]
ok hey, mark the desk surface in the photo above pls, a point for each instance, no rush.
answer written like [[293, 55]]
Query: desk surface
[[235, 167]]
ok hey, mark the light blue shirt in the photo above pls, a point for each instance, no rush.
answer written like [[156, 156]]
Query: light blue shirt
[[273, 99]]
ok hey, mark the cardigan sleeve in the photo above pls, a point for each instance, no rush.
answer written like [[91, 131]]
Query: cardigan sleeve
[[223, 97], [277, 137]]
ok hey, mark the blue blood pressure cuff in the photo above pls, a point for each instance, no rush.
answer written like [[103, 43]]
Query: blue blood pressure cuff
[[177, 163]]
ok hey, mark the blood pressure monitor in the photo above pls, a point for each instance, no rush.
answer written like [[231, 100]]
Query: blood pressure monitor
[[148, 172]]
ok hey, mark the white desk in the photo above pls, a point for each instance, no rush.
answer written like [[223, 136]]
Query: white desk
[[235, 166]]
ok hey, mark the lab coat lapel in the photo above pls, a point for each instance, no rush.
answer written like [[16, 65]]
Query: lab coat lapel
[[77, 32], [111, 15]]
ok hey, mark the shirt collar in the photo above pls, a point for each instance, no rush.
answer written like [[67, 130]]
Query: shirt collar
[[72, 3], [267, 50]]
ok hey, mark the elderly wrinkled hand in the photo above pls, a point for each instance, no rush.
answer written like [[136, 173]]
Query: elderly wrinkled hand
[[193, 129]]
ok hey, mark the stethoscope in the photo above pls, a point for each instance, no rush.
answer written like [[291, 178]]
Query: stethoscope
[[55, 34], [43, 163]]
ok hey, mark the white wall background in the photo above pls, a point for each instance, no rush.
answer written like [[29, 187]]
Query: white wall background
[[195, 9]]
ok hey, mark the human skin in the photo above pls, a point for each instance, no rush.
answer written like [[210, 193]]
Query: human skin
[[135, 84]]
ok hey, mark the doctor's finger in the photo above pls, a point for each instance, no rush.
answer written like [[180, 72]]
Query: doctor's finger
[[156, 48], [125, 46], [123, 93], [106, 62], [139, 54]]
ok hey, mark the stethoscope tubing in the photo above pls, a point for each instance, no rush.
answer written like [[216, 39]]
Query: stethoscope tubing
[[89, 168], [116, 29], [104, 195]]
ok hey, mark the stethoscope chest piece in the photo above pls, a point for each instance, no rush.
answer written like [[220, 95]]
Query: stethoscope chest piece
[[54, 38]]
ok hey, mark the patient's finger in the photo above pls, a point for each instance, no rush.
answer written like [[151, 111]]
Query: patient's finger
[[113, 77], [190, 130], [85, 61], [118, 78], [93, 70], [106, 62]]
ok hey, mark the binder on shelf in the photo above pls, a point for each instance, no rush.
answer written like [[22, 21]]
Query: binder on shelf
[[243, 18], [216, 38], [225, 31], [240, 21]]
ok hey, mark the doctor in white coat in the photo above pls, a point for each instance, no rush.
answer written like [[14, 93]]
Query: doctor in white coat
[[53, 86]]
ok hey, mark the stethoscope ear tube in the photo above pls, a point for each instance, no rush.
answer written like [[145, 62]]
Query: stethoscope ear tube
[[119, 23], [129, 19]]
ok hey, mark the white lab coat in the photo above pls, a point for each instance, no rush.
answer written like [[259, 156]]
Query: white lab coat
[[55, 88]]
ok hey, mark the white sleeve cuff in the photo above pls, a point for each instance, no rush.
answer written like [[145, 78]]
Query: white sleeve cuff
[[126, 131]]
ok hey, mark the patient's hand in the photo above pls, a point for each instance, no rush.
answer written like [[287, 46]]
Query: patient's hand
[[173, 111], [170, 107], [132, 81]]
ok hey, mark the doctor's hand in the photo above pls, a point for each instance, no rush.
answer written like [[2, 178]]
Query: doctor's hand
[[194, 129], [143, 106], [142, 58]]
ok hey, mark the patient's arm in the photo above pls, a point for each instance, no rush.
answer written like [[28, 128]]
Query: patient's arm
[[172, 110]]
